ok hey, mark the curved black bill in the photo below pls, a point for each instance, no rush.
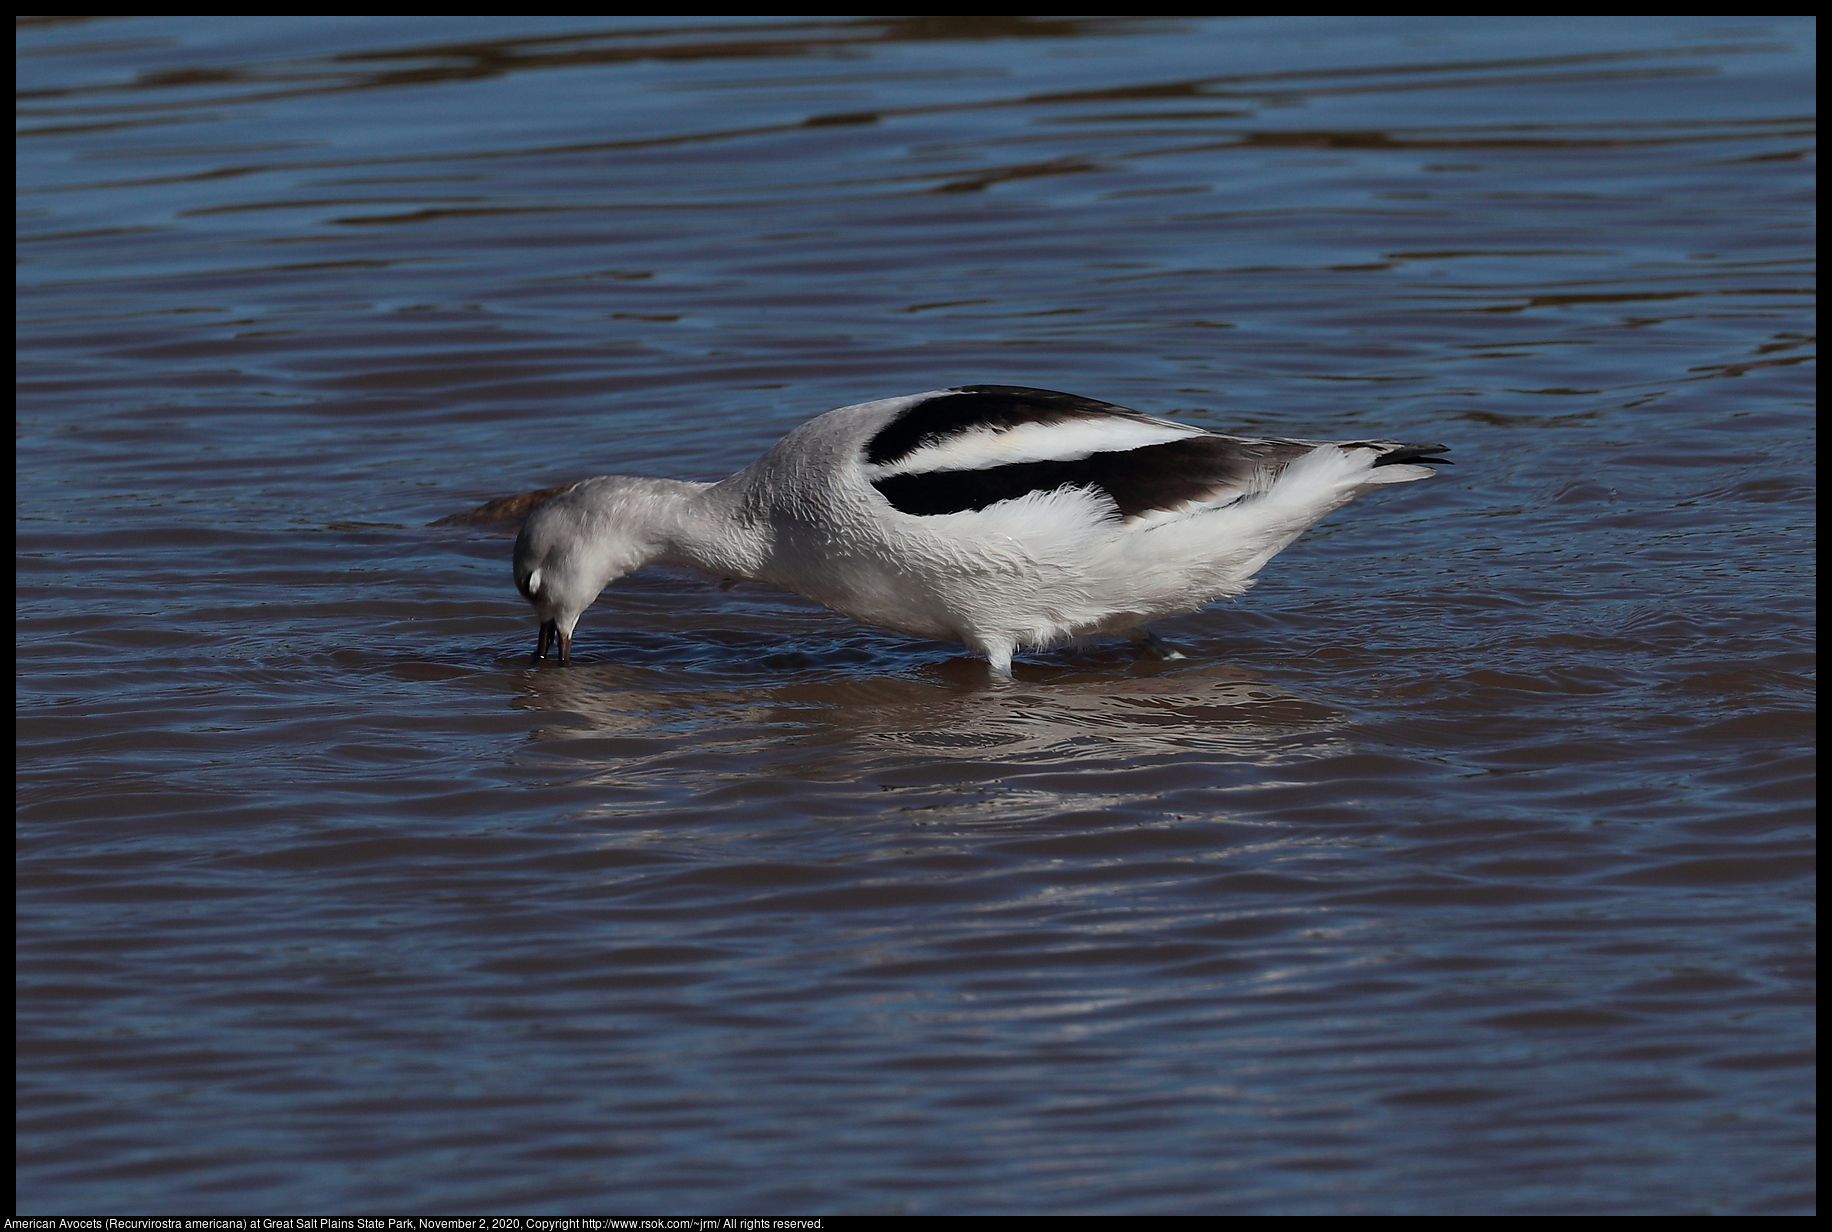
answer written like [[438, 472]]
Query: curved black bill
[[551, 635]]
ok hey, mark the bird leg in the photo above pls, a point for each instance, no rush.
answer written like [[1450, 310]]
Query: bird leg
[[1150, 643], [998, 657]]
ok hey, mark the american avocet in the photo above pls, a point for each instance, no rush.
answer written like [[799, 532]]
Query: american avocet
[[993, 515]]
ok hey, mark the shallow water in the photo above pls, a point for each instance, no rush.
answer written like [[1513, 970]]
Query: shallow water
[[1463, 867]]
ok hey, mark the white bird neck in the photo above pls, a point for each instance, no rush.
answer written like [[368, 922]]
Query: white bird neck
[[703, 525]]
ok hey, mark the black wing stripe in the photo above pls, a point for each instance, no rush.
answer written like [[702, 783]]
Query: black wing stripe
[[1415, 453], [1392, 452], [1166, 476], [982, 406]]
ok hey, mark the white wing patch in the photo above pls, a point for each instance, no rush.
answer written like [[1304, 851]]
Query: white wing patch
[[1065, 441]]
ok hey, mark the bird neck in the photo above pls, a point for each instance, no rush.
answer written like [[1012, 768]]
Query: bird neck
[[703, 525]]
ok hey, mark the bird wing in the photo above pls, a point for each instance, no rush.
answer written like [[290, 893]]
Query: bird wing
[[968, 448]]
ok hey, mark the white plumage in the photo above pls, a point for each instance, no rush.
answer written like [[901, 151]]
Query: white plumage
[[997, 516]]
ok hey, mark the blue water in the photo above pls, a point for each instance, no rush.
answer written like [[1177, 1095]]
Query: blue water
[[1464, 867]]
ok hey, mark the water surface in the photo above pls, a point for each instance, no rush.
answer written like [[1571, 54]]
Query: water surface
[[1463, 867]]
